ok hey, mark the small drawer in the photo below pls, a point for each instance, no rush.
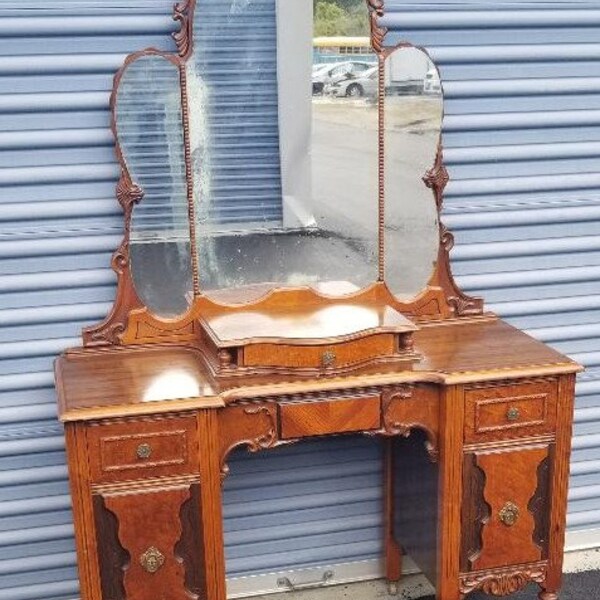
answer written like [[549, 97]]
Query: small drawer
[[343, 415], [498, 412], [343, 354], [143, 448]]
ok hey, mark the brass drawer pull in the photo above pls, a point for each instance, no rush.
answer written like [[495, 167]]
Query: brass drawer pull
[[328, 359], [144, 451], [509, 514], [152, 560], [513, 414]]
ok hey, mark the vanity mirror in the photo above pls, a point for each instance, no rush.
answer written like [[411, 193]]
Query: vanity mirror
[[245, 186]]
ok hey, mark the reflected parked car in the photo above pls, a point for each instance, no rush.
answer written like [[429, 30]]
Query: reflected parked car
[[432, 84], [365, 85], [335, 72]]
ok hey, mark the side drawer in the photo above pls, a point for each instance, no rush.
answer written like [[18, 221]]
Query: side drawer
[[323, 417], [143, 448], [519, 409]]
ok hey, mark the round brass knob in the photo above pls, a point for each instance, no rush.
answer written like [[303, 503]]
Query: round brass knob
[[509, 514], [513, 414], [144, 451]]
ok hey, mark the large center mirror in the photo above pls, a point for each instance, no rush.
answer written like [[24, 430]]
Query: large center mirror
[[306, 153]]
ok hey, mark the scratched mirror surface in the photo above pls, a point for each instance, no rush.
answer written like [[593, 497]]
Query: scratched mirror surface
[[413, 119], [283, 133], [150, 135]]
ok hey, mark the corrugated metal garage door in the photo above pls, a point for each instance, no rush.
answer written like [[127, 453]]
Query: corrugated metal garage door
[[522, 138]]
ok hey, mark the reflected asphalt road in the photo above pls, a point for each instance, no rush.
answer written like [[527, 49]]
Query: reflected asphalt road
[[344, 159]]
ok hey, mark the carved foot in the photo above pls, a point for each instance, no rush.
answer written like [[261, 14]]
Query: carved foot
[[548, 596]]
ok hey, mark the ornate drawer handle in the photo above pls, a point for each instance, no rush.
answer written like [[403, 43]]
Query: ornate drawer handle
[[513, 414], [509, 514], [144, 451], [152, 560], [328, 358]]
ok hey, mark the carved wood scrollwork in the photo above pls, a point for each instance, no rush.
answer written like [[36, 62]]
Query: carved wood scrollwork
[[183, 13], [399, 407], [376, 11], [253, 426], [501, 582], [109, 331]]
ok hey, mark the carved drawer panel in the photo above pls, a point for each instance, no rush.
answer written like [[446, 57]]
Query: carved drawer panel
[[344, 415], [507, 411], [141, 448]]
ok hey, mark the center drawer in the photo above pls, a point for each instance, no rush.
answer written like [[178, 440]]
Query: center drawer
[[324, 417], [141, 448]]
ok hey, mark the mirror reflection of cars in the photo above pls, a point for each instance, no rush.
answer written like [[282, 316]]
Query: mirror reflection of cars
[[432, 85], [332, 73], [363, 85]]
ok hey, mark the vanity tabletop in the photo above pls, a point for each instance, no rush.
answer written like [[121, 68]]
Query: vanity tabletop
[[120, 381]]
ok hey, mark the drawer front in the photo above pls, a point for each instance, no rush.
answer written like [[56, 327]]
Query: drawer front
[[143, 448], [507, 411], [344, 415], [317, 357]]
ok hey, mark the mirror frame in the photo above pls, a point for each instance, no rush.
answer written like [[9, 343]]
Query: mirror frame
[[131, 322]]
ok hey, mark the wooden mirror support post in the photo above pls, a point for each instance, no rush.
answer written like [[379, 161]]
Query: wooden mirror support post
[[153, 406]]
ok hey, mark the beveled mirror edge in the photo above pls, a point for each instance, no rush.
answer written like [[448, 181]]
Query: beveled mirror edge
[[130, 322]]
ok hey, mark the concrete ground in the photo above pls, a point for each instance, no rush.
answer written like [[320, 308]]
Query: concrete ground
[[577, 586]]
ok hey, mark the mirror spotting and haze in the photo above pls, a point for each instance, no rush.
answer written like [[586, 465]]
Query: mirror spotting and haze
[[285, 150], [283, 134], [413, 121], [150, 135]]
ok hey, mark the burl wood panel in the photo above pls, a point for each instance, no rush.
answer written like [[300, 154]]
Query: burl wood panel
[[475, 512], [306, 419], [510, 481], [144, 447], [497, 412], [149, 530], [332, 355], [113, 558], [190, 549]]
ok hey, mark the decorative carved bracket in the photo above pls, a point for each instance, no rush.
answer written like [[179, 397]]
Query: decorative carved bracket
[[399, 407], [251, 426], [501, 582]]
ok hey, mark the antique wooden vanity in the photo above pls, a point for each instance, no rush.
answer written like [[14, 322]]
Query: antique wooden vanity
[[333, 313]]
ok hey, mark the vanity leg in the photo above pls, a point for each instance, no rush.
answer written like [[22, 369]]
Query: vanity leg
[[212, 514], [393, 552], [450, 493], [559, 478]]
